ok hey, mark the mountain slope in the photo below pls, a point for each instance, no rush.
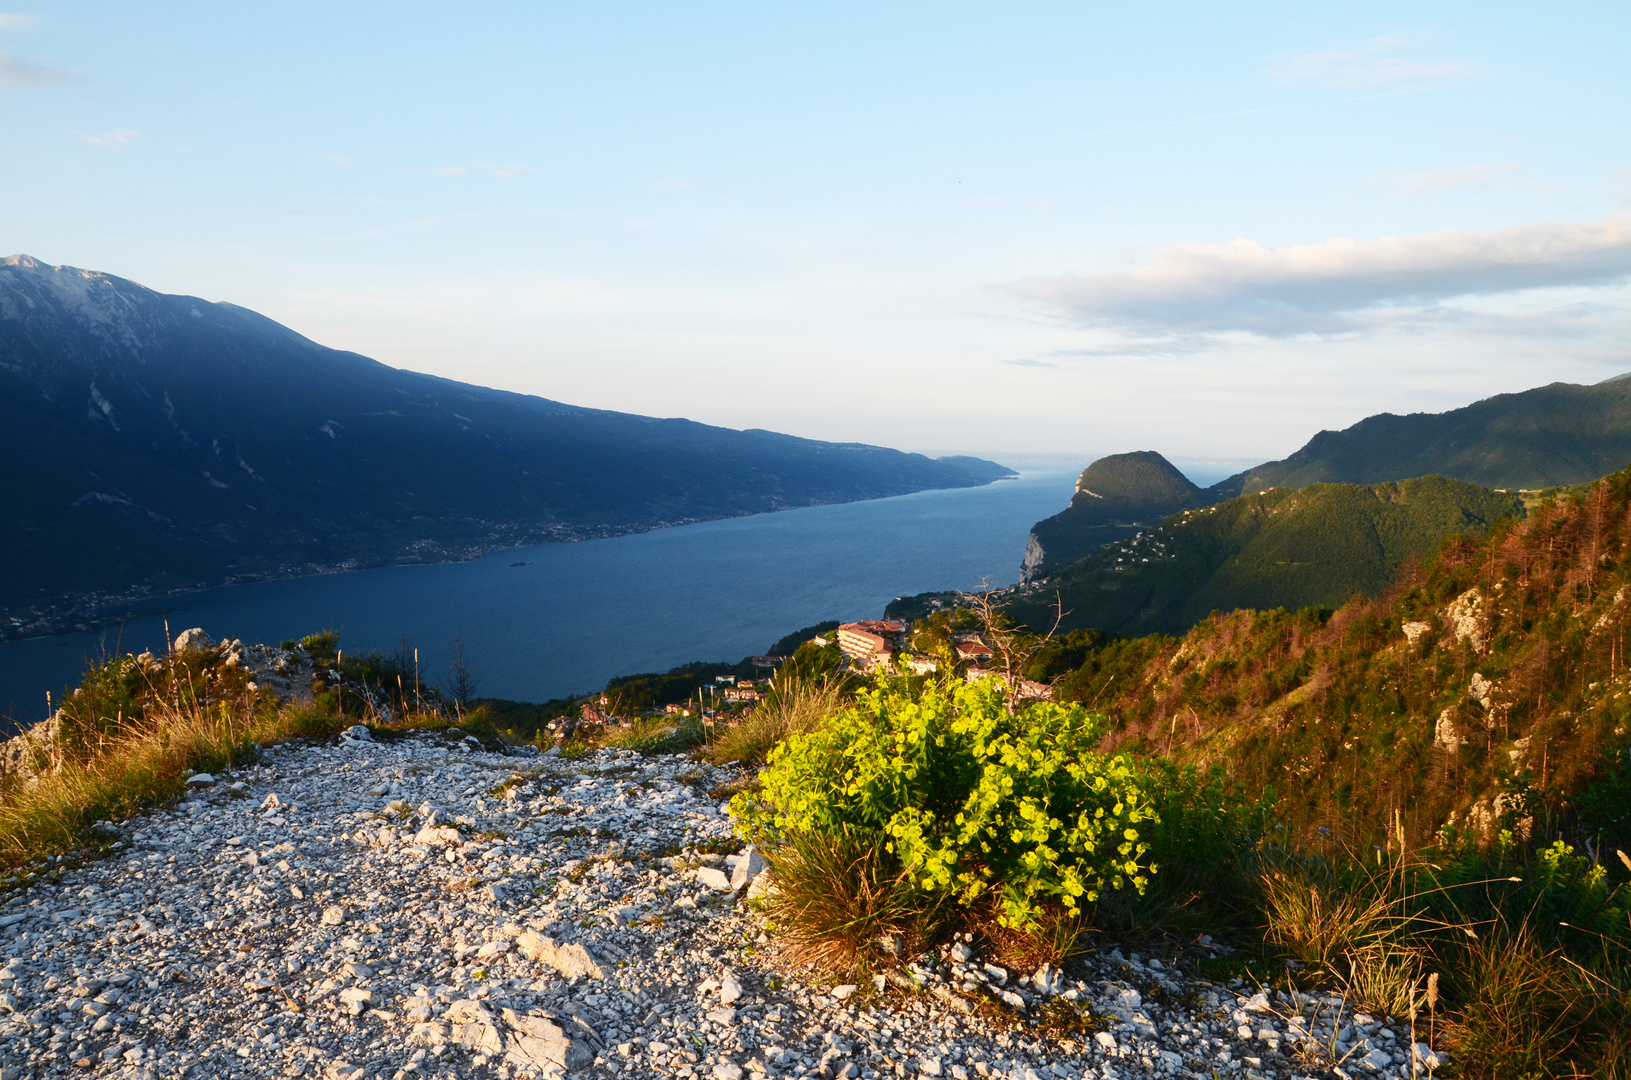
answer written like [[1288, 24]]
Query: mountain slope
[[1289, 548], [1551, 436], [1480, 687], [1115, 497], [159, 442]]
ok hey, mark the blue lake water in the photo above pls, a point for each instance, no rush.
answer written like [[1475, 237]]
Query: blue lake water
[[577, 614]]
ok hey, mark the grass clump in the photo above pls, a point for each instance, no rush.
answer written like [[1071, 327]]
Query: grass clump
[[1467, 944], [133, 731], [654, 735], [840, 895], [795, 707]]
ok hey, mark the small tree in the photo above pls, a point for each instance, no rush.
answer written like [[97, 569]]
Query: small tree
[[1014, 646], [461, 681]]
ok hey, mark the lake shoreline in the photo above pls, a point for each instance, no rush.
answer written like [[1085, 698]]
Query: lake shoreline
[[103, 612], [545, 621]]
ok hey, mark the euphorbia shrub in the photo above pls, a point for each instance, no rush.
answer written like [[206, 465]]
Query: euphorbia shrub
[[966, 796]]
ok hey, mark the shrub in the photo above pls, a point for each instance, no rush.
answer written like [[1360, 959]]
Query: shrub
[[1203, 836], [973, 802]]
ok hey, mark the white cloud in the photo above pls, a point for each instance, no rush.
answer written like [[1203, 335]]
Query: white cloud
[[17, 22], [118, 138], [19, 71], [1379, 61], [503, 172], [1340, 284]]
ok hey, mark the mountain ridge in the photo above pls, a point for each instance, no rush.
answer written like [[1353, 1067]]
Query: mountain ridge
[[166, 443], [1557, 435]]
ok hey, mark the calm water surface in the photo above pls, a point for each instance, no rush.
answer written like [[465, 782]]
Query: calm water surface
[[578, 614]]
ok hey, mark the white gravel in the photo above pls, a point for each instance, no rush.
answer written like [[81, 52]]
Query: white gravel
[[424, 908]]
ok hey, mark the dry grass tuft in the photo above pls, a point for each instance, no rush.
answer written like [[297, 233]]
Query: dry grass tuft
[[799, 706], [136, 762], [839, 898], [1526, 1011], [1368, 934]]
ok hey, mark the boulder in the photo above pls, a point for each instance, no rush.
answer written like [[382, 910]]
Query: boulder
[[193, 640]]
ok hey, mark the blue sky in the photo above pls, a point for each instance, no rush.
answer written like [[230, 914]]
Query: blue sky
[[1077, 228]]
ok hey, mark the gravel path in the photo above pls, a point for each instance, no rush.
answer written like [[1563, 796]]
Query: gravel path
[[424, 908]]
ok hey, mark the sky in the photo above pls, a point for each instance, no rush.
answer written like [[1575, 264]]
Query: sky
[[1073, 229]]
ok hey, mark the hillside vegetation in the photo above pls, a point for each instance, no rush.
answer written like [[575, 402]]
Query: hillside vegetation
[[1288, 548], [1552, 436], [1485, 686]]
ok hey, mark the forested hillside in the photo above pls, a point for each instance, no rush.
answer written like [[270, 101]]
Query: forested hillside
[[1485, 686], [1115, 497], [1287, 548], [1551, 436]]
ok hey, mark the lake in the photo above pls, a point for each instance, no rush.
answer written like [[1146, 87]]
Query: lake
[[576, 614]]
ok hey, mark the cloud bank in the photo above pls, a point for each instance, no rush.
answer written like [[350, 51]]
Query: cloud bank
[[1330, 287]]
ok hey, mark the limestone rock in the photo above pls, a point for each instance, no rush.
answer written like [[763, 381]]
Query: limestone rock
[[714, 879], [474, 1028], [538, 1042], [194, 640], [749, 866], [1469, 618], [571, 960]]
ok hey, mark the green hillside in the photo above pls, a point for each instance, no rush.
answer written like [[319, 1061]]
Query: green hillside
[[1551, 436], [1116, 497], [1288, 548]]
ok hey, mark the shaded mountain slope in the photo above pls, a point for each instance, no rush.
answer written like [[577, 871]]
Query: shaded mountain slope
[[156, 442], [1288, 548], [1115, 497]]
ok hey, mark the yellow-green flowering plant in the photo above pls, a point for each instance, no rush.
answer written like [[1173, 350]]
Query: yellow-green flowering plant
[[969, 799]]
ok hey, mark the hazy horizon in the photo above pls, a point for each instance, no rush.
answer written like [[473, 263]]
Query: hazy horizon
[[1041, 230]]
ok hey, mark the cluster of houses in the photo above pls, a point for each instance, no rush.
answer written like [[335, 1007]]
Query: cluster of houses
[[869, 646], [880, 644]]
